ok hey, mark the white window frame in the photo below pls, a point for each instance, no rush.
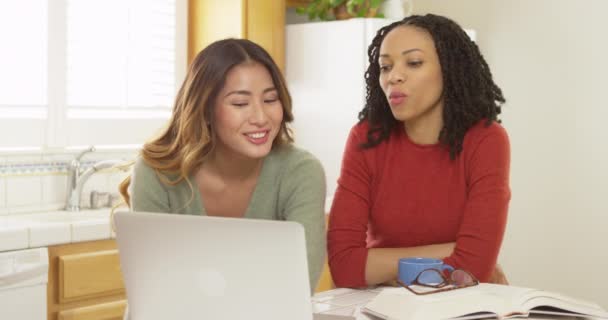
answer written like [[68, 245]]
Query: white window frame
[[58, 128]]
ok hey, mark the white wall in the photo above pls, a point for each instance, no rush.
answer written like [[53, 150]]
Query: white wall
[[327, 97], [551, 59]]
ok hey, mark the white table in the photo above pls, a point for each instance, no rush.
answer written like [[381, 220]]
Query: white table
[[343, 303]]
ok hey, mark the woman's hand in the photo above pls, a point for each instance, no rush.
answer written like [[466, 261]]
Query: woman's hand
[[498, 276]]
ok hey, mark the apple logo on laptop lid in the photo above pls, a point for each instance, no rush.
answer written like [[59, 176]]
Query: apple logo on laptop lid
[[211, 282]]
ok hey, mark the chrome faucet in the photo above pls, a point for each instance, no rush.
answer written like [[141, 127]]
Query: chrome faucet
[[77, 179]]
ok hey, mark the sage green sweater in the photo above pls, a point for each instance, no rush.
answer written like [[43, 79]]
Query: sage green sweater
[[291, 187]]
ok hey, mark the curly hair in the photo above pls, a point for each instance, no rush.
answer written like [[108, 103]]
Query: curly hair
[[189, 136], [469, 93]]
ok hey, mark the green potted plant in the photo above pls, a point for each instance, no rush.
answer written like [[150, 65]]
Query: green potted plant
[[340, 9]]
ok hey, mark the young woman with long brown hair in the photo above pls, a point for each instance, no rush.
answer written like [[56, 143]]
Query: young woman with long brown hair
[[227, 150]]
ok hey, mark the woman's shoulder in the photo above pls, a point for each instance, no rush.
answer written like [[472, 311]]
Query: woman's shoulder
[[289, 167], [291, 156], [141, 168], [483, 130], [358, 135], [144, 175], [143, 171], [360, 129], [491, 137]]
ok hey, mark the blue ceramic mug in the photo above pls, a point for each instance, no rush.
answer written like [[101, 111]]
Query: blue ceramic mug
[[410, 268]]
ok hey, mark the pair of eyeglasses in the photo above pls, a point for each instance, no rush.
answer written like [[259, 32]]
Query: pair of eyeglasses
[[438, 282]]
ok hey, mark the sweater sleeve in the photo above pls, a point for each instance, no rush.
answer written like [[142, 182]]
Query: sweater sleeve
[[348, 220], [146, 190], [304, 191], [483, 225]]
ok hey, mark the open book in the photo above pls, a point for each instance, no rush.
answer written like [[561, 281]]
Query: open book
[[484, 301]]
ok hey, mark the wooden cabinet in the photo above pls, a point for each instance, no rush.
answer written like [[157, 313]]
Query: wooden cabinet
[[103, 311], [262, 22], [85, 282]]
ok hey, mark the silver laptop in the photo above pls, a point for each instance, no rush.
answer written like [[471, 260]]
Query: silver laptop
[[196, 267]]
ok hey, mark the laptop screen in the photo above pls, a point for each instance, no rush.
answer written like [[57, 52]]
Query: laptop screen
[[198, 267]]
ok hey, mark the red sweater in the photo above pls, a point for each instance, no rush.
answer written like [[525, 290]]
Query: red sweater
[[400, 194]]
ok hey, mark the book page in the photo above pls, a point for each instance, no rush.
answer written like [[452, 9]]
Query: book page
[[563, 305], [479, 302], [400, 304], [524, 300]]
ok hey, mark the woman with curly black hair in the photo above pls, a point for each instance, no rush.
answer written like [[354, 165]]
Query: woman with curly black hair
[[425, 172]]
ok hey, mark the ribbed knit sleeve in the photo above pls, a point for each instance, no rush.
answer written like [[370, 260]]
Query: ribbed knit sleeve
[[302, 199], [348, 220], [483, 224]]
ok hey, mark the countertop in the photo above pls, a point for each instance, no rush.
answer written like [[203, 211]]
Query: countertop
[[51, 228]]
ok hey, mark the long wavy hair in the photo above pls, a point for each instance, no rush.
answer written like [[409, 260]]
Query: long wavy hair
[[469, 93], [189, 136]]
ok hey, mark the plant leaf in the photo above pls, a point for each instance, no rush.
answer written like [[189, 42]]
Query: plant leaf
[[323, 16], [375, 3], [350, 7], [362, 11]]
